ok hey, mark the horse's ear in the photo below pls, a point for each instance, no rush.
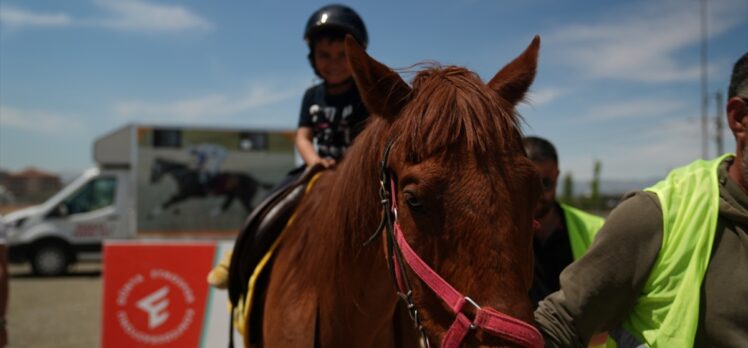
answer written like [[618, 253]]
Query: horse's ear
[[382, 89], [513, 81]]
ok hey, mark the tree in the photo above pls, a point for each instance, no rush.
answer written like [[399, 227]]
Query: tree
[[567, 195]]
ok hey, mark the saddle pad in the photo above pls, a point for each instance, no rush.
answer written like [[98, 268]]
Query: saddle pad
[[247, 315]]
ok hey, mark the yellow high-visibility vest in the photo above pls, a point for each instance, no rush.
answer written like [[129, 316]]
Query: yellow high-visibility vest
[[582, 228], [667, 312]]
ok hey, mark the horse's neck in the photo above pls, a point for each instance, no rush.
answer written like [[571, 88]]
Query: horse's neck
[[360, 281], [351, 213], [361, 303]]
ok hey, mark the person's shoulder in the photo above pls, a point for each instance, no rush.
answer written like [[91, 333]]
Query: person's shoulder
[[313, 93], [640, 197], [638, 209], [317, 88], [635, 223]]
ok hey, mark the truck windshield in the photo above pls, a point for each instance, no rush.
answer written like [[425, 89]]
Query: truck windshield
[[97, 194]]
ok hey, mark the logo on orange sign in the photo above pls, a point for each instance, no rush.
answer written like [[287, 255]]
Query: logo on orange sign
[[148, 320]]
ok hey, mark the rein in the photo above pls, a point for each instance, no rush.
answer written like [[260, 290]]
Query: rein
[[400, 253]]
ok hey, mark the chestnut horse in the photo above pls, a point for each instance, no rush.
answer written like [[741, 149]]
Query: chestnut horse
[[466, 193]]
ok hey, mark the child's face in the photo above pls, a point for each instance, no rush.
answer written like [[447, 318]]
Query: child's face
[[330, 61]]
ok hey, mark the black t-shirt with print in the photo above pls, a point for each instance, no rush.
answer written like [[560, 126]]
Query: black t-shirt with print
[[335, 119]]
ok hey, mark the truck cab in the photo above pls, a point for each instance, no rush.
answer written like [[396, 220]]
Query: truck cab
[[71, 225]]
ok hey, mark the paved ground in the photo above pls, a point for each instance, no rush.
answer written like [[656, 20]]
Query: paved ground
[[55, 312]]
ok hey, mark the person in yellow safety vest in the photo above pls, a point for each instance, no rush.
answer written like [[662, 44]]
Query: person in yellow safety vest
[[668, 268], [565, 232]]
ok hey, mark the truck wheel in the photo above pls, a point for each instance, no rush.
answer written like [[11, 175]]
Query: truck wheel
[[50, 259]]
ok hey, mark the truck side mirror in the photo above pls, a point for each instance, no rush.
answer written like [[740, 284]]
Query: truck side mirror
[[62, 210]]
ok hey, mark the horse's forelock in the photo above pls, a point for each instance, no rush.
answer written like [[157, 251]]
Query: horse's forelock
[[451, 106]]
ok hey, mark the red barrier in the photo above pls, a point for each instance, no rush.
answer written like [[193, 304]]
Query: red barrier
[[155, 293]]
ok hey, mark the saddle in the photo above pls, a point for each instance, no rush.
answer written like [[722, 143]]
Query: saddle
[[259, 233]]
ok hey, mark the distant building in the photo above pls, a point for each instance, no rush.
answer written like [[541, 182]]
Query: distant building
[[30, 185]]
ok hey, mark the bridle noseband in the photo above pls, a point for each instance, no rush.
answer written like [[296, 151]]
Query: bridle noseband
[[399, 253]]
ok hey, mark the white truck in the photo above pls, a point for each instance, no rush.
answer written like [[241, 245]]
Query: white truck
[[155, 182]]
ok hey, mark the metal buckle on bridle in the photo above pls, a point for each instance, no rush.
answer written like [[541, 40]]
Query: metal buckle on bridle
[[477, 309]]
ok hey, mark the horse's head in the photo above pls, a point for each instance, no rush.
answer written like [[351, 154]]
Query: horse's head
[[464, 187]]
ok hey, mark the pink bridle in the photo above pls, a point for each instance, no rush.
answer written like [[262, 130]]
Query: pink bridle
[[400, 253]]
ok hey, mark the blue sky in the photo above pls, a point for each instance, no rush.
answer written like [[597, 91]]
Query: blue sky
[[618, 81]]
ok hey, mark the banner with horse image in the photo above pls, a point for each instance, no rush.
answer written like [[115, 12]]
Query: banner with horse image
[[205, 181]]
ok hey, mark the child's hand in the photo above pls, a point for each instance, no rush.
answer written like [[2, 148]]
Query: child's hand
[[327, 162]]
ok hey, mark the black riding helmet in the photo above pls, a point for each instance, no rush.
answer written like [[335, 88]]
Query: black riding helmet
[[334, 18]]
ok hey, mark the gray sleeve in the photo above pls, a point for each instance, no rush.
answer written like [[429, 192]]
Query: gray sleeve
[[598, 290]]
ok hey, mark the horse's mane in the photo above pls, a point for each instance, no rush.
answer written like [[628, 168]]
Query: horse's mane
[[449, 106]]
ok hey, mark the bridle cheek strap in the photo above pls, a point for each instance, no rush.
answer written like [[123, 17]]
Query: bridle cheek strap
[[508, 328], [439, 286], [495, 323], [486, 319]]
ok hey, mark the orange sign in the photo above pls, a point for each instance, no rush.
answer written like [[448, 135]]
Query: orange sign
[[155, 294]]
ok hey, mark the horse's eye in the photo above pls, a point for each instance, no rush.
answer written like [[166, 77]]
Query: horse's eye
[[413, 201]]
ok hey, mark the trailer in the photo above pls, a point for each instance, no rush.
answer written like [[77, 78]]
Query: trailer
[[152, 182]]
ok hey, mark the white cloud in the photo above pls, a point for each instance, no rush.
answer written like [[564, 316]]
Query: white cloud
[[634, 109], [38, 121], [139, 15], [657, 150], [18, 18], [123, 15], [642, 45], [211, 107], [545, 96], [648, 150]]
